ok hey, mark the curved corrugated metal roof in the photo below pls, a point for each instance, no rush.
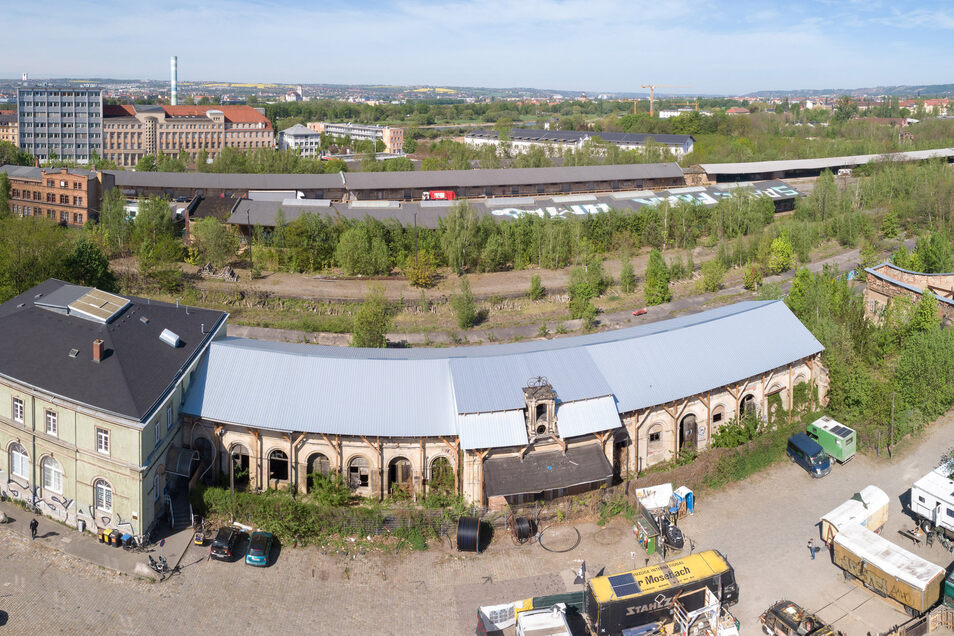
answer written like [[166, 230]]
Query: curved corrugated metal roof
[[421, 392]]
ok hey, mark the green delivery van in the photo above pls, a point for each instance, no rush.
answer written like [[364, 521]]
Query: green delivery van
[[838, 440]]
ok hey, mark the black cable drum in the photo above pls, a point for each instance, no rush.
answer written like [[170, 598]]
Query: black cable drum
[[522, 528], [468, 534]]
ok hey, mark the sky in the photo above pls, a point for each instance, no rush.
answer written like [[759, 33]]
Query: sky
[[701, 46]]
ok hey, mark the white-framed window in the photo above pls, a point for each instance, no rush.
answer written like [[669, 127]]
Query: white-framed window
[[51, 428], [17, 410], [104, 495], [102, 440], [19, 462], [158, 432], [168, 418], [52, 475]]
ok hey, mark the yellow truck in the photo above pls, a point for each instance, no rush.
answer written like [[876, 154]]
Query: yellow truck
[[887, 569]]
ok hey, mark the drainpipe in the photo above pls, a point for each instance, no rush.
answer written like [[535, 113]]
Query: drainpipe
[[291, 448], [33, 451]]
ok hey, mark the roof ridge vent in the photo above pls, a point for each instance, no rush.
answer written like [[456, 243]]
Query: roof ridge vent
[[170, 338]]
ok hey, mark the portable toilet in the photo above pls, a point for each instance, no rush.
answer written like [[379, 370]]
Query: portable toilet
[[684, 495], [838, 440]]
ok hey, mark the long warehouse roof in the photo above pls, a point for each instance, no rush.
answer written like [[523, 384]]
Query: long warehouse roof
[[761, 167], [426, 392]]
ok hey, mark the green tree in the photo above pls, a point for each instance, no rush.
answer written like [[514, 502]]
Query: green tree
[[752, 276], [410, 145], [459, 232], [13, 156], [154, 235], [657, 280], [362, 249], [4, 195], [781, 257], [934, 253], [148, 163], [845, 109], [420, 268], [88, 265], [464, 305], [586, 283], [202, 161], [925, 313], [627, 278], [113, 227], [31, 250], [372, 320], [215, 241]]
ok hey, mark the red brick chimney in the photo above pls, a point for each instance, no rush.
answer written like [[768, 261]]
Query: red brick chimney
[[98, 350]]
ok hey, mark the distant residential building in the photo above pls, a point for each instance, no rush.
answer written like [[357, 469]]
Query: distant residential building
[[66, 122], [301, 139], [393, 138], [63, 195], [521, 140], [133, 131], [738, 110], [8, 127]]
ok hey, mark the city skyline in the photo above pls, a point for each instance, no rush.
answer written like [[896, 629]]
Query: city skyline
[[597, 46]]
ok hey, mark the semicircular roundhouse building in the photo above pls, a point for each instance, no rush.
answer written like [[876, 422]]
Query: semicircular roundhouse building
[[503, 423]]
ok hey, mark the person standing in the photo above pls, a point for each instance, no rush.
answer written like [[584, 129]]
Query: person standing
[[33, 526], [811, 548]]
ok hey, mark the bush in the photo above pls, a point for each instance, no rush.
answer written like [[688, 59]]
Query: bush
[[752, 276], [586, 283], [536, 291], [464, 305], [781, 257], [330, 489], [712, 275], [420, 269], [372, 320], [627, 279]]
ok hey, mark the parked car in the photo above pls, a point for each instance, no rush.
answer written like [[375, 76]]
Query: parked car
[[808, 454], [223, 546], [785, 618], [258, 548]]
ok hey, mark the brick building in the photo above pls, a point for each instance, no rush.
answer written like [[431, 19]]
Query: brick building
[[9, 127], [63, 195], [132, 131], [886, 281]]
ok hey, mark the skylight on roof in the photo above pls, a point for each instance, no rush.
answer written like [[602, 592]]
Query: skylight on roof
[[98, 305]]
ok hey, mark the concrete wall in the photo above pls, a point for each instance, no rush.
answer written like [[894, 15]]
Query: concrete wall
[[879, 292]]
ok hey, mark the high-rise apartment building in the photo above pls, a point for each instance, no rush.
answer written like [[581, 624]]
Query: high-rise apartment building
[[63, 121], [133, 131]]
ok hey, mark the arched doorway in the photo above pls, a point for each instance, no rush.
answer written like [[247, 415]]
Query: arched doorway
[[239, 467], [277, 468], [747, 405], [399, 477], [442, 478], [687, 432], [318, 464], [359, 472]]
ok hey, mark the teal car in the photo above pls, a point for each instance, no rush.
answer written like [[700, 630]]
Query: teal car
[[259, 545]]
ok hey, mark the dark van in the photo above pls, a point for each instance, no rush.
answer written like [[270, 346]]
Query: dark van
[[808, 454]]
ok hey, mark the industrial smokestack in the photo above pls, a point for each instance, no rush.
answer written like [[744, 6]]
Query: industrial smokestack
[[173, 98]]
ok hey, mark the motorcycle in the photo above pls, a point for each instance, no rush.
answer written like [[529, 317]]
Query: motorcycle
[[160, 567]]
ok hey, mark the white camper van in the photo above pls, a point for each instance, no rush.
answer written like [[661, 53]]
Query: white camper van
[[932, 499]]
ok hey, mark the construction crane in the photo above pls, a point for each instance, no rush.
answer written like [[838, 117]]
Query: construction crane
[[652, 94]]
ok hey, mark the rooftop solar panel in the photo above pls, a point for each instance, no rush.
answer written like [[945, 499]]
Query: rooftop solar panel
[[99, 305], [624, 585], [842, 431]]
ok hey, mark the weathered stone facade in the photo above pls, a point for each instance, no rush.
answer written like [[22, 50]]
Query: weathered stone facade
[[886, 281]]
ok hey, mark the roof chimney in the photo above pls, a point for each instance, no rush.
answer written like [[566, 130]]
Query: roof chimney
[[98, 350]]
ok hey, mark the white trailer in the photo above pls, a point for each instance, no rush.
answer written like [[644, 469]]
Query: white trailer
[[868, 508], [932, 499]]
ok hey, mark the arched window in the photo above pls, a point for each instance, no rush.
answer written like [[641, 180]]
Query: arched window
[[319, 463], [718, 415], [19, 462], [442, 476], [52, 476], [103, 495], [278, 465], [358, 472], [747, 405], [399, 474]]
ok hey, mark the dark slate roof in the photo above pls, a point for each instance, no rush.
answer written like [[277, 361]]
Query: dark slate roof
[[138, 369], [428, 213], [435, 179], [36, 174], [571, 136]]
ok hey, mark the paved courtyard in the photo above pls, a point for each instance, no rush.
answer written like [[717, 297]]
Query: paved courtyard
[[762, 525]]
